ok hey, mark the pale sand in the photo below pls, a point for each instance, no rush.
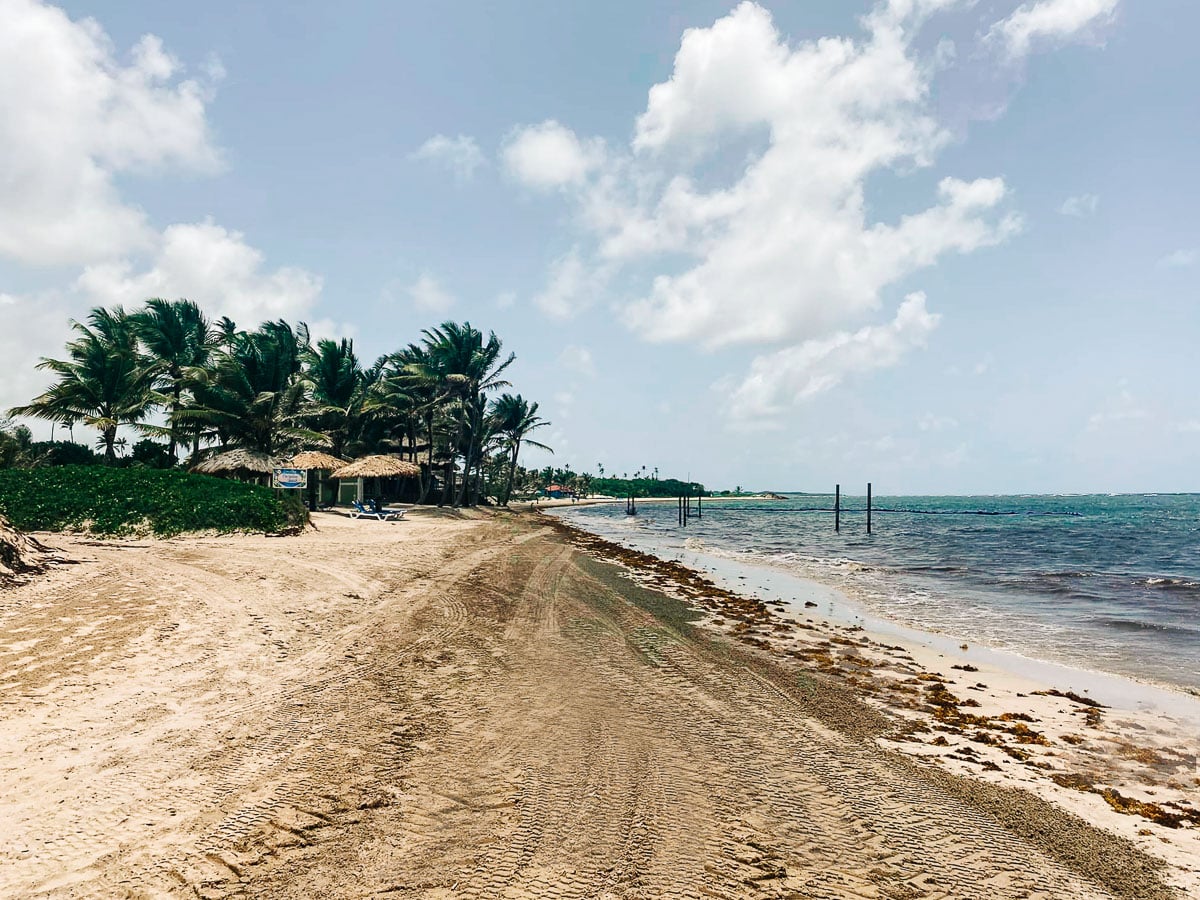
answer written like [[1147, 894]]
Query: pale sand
[[464, 707]]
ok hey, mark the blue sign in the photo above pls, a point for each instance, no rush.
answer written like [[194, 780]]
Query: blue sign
[[289, 478]]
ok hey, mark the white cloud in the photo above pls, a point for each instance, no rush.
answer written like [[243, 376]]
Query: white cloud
[[549, 155], [1080, 206], [31, 326], [72, 119], [572, 286], [214, 267], [506, 299], [460, 154], [1052, 21], [427, 294], [739, 209], [578, 360], [1191, 426], [786, 377], [1179, 259]]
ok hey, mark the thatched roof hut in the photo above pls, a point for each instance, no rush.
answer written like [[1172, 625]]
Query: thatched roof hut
[[315, 459], [238, 462], [378, 467]]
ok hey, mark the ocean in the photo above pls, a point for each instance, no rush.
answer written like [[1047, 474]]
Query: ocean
[[1105, 583]]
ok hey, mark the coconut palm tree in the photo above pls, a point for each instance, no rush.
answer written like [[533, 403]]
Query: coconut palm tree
[[103, 383], [178, 342], [465, 367], [255, 398], [336, 382]]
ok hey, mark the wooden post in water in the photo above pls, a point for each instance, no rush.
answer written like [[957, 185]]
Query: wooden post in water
[[679, 509], [868, 507], [837, 508], [699, 507]]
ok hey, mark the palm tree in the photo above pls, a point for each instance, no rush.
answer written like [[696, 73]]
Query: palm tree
[[255, 396], [336, 382], [514, 419], [103, 383], [468, 368], [179, 342], [407, 396]]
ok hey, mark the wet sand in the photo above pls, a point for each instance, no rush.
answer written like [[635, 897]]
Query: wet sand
[[476, 706]]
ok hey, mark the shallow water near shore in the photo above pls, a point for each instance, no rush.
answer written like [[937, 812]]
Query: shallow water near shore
[[1103, 583]]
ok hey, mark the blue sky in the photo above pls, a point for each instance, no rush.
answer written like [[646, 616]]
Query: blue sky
[[944, 246]]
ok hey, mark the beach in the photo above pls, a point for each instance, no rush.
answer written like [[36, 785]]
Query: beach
[[485, 704]]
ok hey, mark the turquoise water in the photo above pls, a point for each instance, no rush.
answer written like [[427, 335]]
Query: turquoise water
[[1105, 582]]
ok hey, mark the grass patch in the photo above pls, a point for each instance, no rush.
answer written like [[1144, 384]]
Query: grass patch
[[107, 501]]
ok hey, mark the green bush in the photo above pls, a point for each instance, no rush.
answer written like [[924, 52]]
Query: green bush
[[115, 501]]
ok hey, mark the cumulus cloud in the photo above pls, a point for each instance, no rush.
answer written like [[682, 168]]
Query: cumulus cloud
[[31, 326], [1052, 21], [1080, 206], [73, 118], [459, 154], [738, 212], [549, 155], [1179, 259], [427, 294], [214, 267], [786, 377]]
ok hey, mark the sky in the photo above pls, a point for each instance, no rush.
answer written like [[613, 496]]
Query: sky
[[945, 246]]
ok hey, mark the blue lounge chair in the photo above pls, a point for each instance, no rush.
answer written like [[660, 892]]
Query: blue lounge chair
[[378, 507], [357, 510]]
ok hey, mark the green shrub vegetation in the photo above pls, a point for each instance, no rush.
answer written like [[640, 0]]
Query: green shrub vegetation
[[111, 501]]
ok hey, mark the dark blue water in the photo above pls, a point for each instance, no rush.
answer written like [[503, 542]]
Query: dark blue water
[[1106, 582]]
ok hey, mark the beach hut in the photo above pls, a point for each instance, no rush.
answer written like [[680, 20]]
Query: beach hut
[[244, 465], [319, 490], [373, 467]]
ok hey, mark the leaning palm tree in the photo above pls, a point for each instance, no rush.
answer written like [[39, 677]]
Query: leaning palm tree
[[514, 419], [103, 382], [179, 343]]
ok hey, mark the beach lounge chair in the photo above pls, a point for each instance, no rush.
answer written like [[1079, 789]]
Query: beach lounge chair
[[377, 507], [358, 510]]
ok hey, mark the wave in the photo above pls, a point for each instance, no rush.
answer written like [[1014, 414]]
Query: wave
[[1164, 583], [1141, 625]]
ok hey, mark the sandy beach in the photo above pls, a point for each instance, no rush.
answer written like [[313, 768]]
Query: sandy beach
[[493, 705]]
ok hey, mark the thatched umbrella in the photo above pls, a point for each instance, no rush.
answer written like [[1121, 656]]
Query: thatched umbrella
[[238, 462], [378, 467], [315, 459]]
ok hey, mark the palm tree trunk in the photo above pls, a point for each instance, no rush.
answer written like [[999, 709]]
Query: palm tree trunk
[[427, 477], [174, 409], [468, 461], [512, 472], [109, 437]]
